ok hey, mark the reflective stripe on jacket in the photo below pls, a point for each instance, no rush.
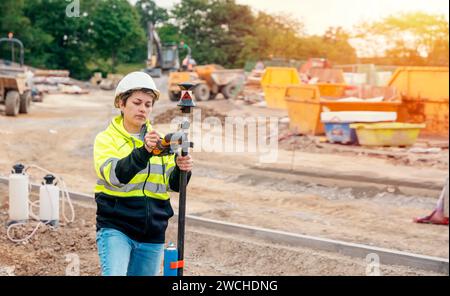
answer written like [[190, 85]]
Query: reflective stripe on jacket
[[132, 190]]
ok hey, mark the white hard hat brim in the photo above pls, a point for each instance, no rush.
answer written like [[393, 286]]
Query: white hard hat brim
[[135, 81]]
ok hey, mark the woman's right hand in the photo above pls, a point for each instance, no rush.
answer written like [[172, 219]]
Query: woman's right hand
[[150, 140]]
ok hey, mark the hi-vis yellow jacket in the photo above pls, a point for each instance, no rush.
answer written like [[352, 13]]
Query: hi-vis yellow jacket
[[132, 190]]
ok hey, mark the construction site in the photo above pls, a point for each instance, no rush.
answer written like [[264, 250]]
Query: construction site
[[331, 168]]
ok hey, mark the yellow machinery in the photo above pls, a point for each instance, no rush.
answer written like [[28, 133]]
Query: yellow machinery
[[15, 92], [209, 81], [160, 57]]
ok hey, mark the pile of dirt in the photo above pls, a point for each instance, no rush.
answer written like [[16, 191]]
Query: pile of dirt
[[174, 113], [51, 251]]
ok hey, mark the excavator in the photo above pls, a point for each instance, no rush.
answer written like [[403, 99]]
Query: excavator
[[160, 58]]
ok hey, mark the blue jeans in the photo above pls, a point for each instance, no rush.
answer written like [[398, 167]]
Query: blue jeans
[[120, 255]]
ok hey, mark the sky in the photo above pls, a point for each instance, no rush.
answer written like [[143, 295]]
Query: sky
[[318, 15]]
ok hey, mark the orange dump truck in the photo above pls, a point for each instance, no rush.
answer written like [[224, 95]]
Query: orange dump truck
[[209, 81]]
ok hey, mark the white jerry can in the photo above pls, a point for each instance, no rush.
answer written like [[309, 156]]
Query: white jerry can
[[49, 201]]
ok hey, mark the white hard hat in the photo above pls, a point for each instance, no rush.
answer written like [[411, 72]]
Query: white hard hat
[[135, 80]]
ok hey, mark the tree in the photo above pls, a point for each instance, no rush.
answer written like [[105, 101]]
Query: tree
[[150, 12], [108, 32], [105, 30], [170, 33], [409, 38], [439, 54], [192, 17], [234, 23], [336, 46], [215, 30], [51, 39], [12, 19], [276, 36], [63, 42], [282, 36], [116, 30]]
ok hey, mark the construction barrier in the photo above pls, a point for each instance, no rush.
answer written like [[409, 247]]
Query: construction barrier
[[425, 96], [305, 103], [275, 82]]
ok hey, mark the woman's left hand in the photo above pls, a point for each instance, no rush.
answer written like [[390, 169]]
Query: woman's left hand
[[185, 163]]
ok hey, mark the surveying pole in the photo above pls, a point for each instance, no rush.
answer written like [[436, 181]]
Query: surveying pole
[[186, 104]]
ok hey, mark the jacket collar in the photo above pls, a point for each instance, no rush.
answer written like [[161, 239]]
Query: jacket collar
[[118, 128]]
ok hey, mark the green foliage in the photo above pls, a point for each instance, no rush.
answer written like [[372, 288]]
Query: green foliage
[[223, 32], [414, 38], [108, 33], [277, 36], [150, 12], [116, 30], [170, 33], [127, 68], [59, 44], [105, 33], [12, 19]]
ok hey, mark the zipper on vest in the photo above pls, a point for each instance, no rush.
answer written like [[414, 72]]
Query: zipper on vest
[[147, 215], [147, 208], [164, 171]]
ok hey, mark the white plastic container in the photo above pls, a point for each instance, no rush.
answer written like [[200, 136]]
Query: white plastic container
[[357, 116], [49, 201], [18, 195]]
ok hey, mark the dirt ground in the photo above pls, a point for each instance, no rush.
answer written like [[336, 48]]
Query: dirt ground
[[52, 252], [58, 135]]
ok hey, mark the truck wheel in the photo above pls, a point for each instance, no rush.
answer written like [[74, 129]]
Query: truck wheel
[[229, 91], [174, 96], [25, 102], [12, 103], [201, 92]]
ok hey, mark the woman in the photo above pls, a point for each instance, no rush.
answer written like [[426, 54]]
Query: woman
[[132, 191]]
